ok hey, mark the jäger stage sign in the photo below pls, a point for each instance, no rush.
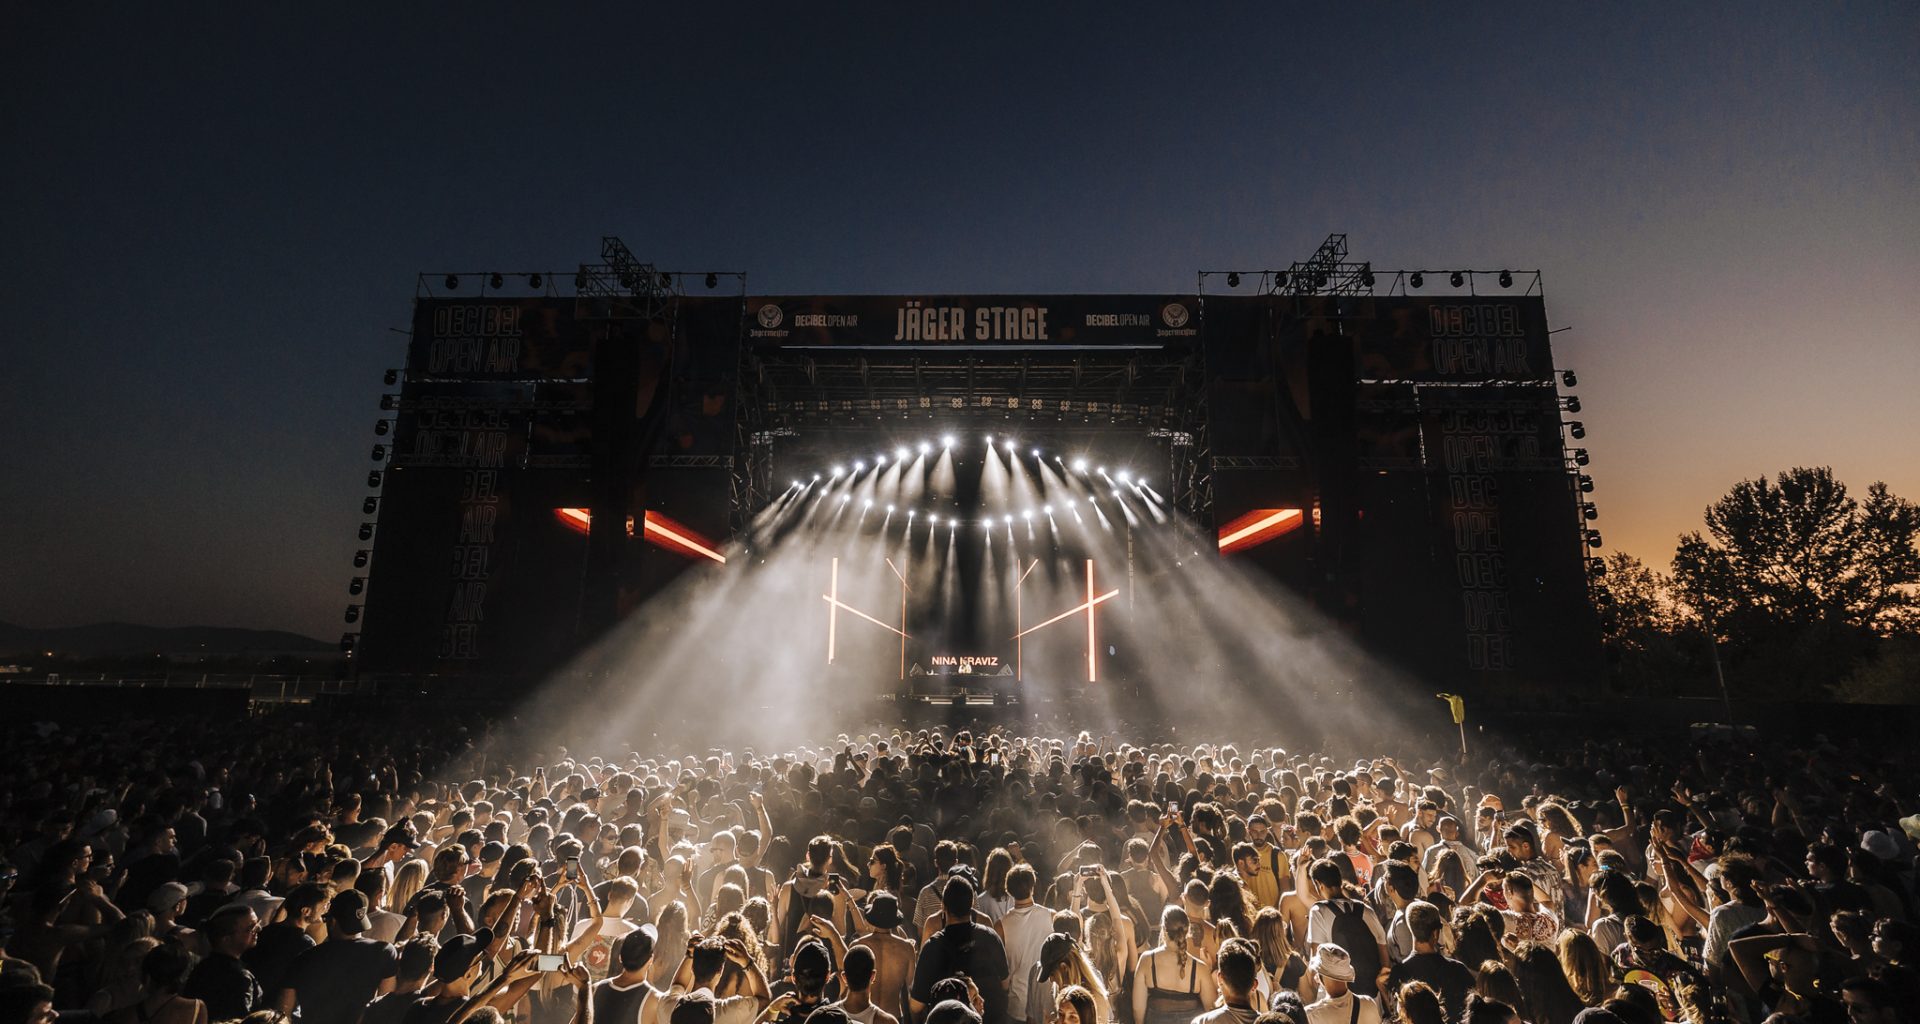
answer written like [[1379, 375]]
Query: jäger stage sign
[[1027, 321]]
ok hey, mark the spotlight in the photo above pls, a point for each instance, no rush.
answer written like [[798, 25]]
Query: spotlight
[[1573, 403], [1035, 453], [1593, 538], [880, 459], [496, 282], [1320, 279], [1597, 566], [1047, 509], [1366, 275], [1566, 377], [859, 467], [1009, 444], [580, 282], [844, 498], [366, 531], [796, 485], [1416, 280], [869, 503], [837, 470], [901, 454], [379, 453], [889, 509], [1577, 429], [1279, 279], [370, 505], [453, 282], [946, 441], [1125, 477], [934, 519], [1233, 280], [346, 642], [1102, 470], [373, 478], [1008, 518], [713, 281], [1589, 511], [816, 478], [382, 428], [1586, 484], [1079, 465], [356, 585], [925, 448], [389, 402], [353, 613], [361, 557], [1456, 279], [1028, 514], [533, 280], [1580, 457], [989, 439], [1506, 279], [392, 377]]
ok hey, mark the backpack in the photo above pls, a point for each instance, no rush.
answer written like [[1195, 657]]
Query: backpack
[[1350, 932]]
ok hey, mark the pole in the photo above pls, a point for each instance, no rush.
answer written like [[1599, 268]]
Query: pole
[[1463, 741], [1726, 702]]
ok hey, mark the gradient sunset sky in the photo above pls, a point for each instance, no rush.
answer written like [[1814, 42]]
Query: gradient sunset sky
[[211, 225]]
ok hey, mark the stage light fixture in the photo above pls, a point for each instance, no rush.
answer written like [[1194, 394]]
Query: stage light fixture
[[370, 505], [379, 453], [1586, 484], [1009, 444], [1035, 453], [1028, 514], [1233, 280], [1580, 457], [889, 509], [1577, 429], [666, 279], [346, 642], [1456, 279], [1568, 378], [869, 503], [1597, 566], [1573, 403], [1125, 477], [373, 478], [925, 448], [580, 282], [837, 470], [1506, 279], [901, 454], [366, 531], [816, 478], [1416, 280], [1101, 470], [1320, 279], [388, 402], [796, 485], [946, 441], [361, 557], [880, 459], [1079, 465], [353, 613], [1589, 511], [1047, 509], [392, 377], [533, 280], [1008, 518], [934, 519], [496, 282], [452, 282], [1593, 538], [382, 428], [844, 498], [356, 585], [1366, 278], [859, 467], [713, 281]]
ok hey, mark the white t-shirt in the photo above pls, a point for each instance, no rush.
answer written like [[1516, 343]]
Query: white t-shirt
[[731, 1010], [1329, 1010], [1320, 924], [1026, 930]]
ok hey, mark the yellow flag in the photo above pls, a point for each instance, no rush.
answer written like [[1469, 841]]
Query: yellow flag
[[1457, 705]]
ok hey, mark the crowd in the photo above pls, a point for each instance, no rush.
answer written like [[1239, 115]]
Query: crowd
[[415, 873]]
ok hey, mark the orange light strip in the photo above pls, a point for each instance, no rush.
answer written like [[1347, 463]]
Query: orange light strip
[[1259, 526], [685, 542], [656, 528], [1091, 673], [1075, 610], [839, 604]]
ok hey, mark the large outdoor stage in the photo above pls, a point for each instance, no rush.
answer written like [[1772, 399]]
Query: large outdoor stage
[[999, 499]]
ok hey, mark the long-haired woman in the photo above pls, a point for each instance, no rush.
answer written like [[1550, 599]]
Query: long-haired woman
[[1170, 984]]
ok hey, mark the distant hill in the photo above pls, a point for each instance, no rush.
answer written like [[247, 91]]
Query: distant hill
[[109, 639]]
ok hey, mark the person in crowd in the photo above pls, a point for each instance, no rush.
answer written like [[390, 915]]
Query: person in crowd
[[1333, 969], [1236, 972], [409, 982], [222, 979], [333, 982]]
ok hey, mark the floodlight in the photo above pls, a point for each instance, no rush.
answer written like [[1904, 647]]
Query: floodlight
[[1048, 509], [901, 454], [1456, 279], [1506, 279], [1079, 465], [859, 466], [1233, 280], [1028, 514], [496, 282], [1417, 279], [947, 441], [837, 470]]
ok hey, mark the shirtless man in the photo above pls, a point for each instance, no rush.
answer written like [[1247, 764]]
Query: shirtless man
[[893, 956]]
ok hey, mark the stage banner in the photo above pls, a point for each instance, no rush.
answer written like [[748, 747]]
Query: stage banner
[[1024, 321], [1454, 339], [497, 339]]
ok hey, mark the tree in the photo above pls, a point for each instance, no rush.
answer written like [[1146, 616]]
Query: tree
[[1651, 646], [1799, 579]]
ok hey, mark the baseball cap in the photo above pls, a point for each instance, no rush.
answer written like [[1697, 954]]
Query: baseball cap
[[403, 834], [1333, 963], [348, 912], [459, 953], [166, 896]]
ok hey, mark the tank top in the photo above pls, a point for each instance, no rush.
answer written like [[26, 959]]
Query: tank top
[[1172, 1006]]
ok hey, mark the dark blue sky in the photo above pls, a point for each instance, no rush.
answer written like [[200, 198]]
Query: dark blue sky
[[210, 225]]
